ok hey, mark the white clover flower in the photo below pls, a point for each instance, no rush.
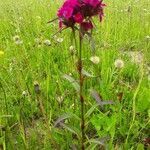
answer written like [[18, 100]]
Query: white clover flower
[[119, 63], [47, 42], [60, 40], [95, 59]]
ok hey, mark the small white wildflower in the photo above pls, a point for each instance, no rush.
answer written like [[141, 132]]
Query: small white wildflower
[[47, 42], [119, 63], [60, 40], [95, 59]]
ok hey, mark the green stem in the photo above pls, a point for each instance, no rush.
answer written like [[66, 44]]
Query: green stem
[[75, 42], [81, 93]]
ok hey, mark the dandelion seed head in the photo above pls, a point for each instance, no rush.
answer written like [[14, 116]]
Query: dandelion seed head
[[16, 38], [60, 40], [47, 42], [119, 63], [95, 59], [24, 93], [136, 57]]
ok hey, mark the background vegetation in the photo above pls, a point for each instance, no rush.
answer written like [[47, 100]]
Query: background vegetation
[[33, 93]]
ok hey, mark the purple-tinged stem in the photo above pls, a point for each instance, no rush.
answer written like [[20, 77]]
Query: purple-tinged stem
[[81, 92]]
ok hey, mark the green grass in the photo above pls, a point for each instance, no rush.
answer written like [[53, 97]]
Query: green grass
[[27, 122]]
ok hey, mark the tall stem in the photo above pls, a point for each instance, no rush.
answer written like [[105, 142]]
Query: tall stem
[[76, 47], [81, 92]]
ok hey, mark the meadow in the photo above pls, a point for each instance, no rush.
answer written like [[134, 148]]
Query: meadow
[[39, 100]]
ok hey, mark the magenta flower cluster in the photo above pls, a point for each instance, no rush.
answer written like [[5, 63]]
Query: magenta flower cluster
[[80, 12]]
